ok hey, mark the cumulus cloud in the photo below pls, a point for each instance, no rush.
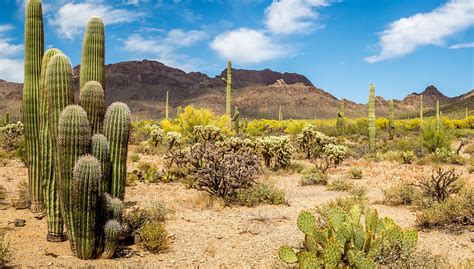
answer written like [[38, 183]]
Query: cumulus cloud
[[72, 18], [11, 65], [406, 34], [247, 46], [166, 49], [462, 45], [291, 16]]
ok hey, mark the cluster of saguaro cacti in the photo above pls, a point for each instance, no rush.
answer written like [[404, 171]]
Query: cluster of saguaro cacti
[[340, 118], [391, 121], [371, 118], [68, 171], [421, 108], [34, 49], [236, 121], [228, 92]]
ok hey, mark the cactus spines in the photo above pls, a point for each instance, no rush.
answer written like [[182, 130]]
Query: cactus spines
[[391, 120], [438, 119], [340, 118], [115, 208], [85, 197], [421, 108], [100, 150], [73, 141], [57, 94], [287, 254], [166, 108], [228, 92], [34, 49], [371, 117], [111, 230], [92, 99], [117, 130], [236, 121], [93, 51]]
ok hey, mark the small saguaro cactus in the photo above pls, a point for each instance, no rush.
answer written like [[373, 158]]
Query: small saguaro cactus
[[112, 231], [236, 121], [6, 121], [438, 118], [85, 198], [100, 150], [179, 110], [57, 94], [92, 99], [371, 118], [92, 61], [74, 134], [228, 93], [280, 114], [467, 112], [34, 49], [340, 118], [391, 121], [421, 108], [117, 130], [166, 106]]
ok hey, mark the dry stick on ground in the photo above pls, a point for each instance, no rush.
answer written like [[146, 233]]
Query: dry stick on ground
[[440, 185]]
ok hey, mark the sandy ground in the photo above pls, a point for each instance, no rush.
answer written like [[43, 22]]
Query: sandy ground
[[205, 234]]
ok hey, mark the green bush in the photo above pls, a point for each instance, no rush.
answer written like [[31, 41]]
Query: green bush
[[402, 194], [153, 236], [313, 176], [261, 193], [433, 139]]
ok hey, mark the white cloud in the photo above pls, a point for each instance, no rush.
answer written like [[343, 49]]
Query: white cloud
[[406, 34], [247, 46], [291, 16], [11, 66], [166, 49], [462, 45], [72, 18]]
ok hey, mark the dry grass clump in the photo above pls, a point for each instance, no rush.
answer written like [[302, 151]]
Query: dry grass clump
[[5, 251], [355, 173], [261, 193], [313, 176], [22, 197], [402, 194], [340, 185]]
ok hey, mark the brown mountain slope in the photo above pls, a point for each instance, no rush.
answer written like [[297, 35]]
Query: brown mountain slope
[[258, 94]]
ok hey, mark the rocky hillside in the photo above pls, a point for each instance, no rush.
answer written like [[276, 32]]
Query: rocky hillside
[[143, 86]]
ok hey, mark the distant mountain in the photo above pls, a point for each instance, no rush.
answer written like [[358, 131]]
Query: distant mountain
[[258, 94]]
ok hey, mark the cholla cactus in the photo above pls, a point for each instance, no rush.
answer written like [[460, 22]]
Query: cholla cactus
[[344, 242], [207, 133], [173, 139], [236, 144], [11, 135], [276, 151], [156, 134]]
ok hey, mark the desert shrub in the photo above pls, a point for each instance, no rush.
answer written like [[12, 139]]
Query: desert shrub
[[313, 176], [402, 194], [156, 135], [145, 172], [192, 117], [440, 185], [173, 139], [6, 252], [261, 193], [445, 155], [134, 158], [276, 151], [355, 173], [340, 185], [146, 148], [153, 236], [433, 139], [11, 135], [358, 191], [134, 219], [207, 133], [141, 130], [340, 240], [453, 212], [407, 157]]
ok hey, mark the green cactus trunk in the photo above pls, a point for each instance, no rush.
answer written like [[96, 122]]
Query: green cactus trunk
[[73, 141], [280, 114], [421, 108], [112, 230], [7, 118], [236, 121], [371, 118], [56, 95], [228, 93], [34, 49], [391, 123], [340, 119], [85, 197], [93, 51], [166, 108], [92, 99], [438, 119], [117, 131], [467, 112]]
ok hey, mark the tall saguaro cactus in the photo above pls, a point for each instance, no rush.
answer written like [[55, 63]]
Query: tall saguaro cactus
[[34, 49], [74, 135], [391, 121], [371, 118], [58, 93], [438, 119], [92, 99], [117, 130], [93, 53], [85, 193], [228, 92], [421, 108]]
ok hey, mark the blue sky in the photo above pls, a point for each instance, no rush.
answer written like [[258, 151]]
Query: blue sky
[[340, 45]]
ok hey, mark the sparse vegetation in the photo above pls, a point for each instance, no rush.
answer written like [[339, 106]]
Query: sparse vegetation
[[153, 236], [261, 193], [355, 173], [340, 185], [5, 250], [312, 176]]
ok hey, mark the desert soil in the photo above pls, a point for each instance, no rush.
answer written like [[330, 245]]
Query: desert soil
[[203, 233]]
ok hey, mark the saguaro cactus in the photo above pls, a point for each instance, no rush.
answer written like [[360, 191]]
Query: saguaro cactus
[[112, 230], [74, 134], [438, 119], [57, 94], [371, 118], [340, 118], [100, 150], [93, 51], [92, 99], [34, 49], [280, 114], [166, 108], [228, 92], [421, 108], [236, 121], [85, 197], [117, 131], [391, 121]]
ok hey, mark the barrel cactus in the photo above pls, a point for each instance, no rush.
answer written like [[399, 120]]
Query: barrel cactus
[[93, 51], [85, 195], [34, 49], [73, 141], [372, 118], [112, 231], [92, 99], [58, 93], [117, 130]]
